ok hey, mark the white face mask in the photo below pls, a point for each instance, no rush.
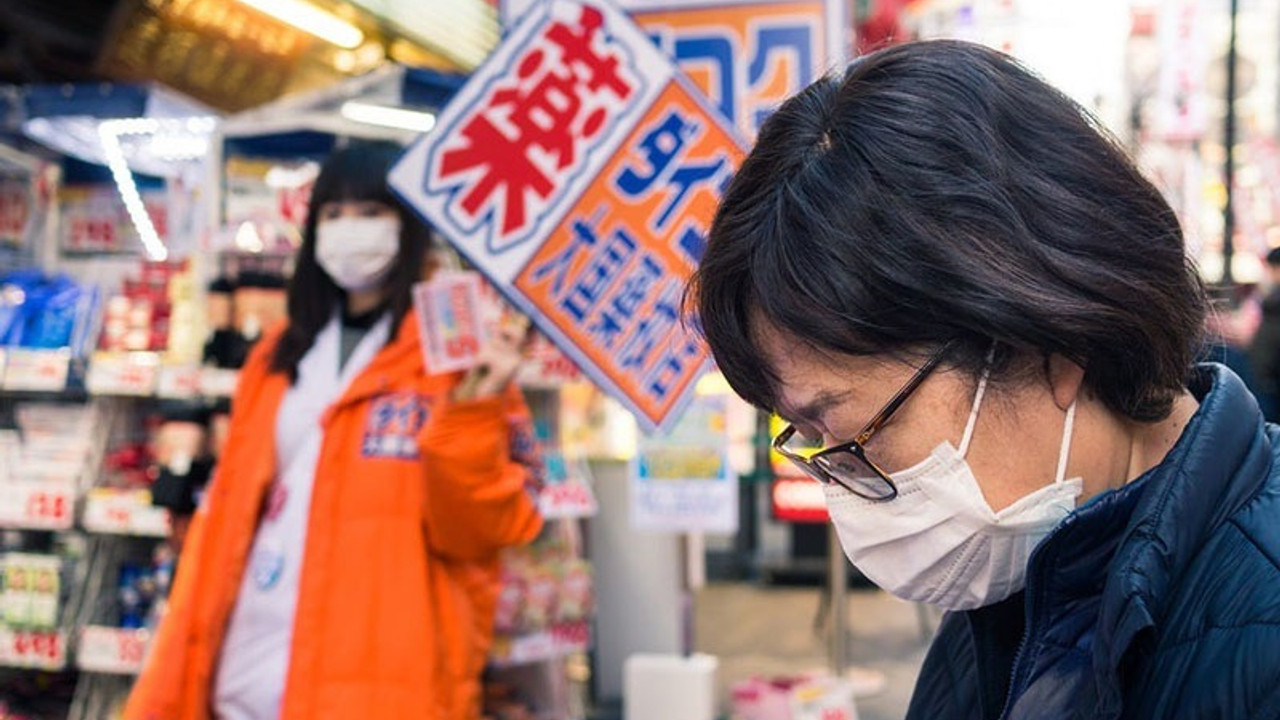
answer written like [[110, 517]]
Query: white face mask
[[938, 541], [358, 252]]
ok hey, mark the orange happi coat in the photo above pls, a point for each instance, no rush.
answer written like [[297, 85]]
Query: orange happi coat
[[400, 573]]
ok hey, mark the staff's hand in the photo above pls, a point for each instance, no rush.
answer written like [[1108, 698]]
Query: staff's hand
[[499, 360]]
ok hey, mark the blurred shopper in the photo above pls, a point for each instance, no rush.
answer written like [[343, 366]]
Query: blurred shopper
[[345, 561], [1264, 353], [940, 267]]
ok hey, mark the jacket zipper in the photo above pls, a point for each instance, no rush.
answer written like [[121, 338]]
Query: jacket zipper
[[1033, 604]]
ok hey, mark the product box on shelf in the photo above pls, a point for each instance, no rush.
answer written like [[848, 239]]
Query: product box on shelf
[[45, 461], [545, 603], [814, 696], [44, 322], [32, 590]]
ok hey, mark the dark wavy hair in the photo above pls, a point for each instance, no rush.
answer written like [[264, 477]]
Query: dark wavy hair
[[939, 192], [357, 172]]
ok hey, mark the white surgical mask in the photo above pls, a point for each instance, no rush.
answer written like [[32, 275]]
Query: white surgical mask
[[358, 252], [938, 541]]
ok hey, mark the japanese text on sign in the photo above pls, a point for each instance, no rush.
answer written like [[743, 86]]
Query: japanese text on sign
[[746, 56], [530, 135], [579, 172]]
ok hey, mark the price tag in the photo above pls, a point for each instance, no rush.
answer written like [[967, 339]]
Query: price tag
[[557, 641], [179, 382], [547, 367], [218, 382], [531, 648], [37, 370], [566, 493], [571, 637], [44, 650], [570, 499], [111, 650], [132, 374], [124, 512], [37, 505]]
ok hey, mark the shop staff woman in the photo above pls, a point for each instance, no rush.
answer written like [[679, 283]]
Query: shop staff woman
[[344, 562]]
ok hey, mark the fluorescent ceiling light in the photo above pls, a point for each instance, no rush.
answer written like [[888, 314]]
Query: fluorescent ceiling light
[[110, 131], [285, 178], [388, 116], [309, 18]]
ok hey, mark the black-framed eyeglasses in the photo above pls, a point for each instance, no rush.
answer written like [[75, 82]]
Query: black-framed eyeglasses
[[847, 464]]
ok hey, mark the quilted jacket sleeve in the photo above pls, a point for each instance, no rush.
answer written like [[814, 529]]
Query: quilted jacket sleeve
[[476, 501]]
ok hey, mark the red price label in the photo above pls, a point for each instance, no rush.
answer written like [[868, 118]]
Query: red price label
[[48, 507], [462, 346], [119, 516], [571, 635], [37, 646], [90, 233], [130, 649]]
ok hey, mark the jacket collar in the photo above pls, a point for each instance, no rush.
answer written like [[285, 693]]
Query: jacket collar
[[1131, 545], [402, 357]]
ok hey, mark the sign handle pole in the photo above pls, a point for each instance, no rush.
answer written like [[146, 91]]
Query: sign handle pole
[[838, 576], [686, 596]]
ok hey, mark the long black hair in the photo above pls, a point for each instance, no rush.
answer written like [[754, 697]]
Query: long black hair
[[938, 192], [357, 172]]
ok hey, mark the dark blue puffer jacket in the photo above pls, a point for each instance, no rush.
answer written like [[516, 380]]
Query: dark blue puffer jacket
[[1160, 599]]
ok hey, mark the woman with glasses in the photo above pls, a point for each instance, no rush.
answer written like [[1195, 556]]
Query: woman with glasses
[[942, 270]]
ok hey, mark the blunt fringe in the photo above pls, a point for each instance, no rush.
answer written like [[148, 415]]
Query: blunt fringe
[[940, 192], [356, 172]]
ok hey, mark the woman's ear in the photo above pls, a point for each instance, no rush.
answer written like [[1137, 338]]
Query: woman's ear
[[1066, 379]]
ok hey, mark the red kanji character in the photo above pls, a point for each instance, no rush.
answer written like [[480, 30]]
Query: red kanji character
[[506, 163], [575, 43], [544, 115]]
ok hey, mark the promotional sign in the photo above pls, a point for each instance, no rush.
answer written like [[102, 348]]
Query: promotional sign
[[747, 56], [449, 316], [579, 171], [1181, 108], [682, 480], [798, 500], [94, 220]]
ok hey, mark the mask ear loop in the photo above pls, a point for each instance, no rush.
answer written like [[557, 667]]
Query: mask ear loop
[[977, 403], [1066, 443]]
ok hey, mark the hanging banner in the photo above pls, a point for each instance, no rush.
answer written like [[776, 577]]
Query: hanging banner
[[682, 481], [579, 171], [747, 56], [1180, 108]]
